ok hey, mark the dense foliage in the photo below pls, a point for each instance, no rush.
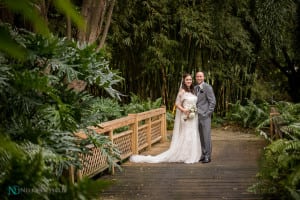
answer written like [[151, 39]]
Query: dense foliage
[[41, 109], [279, 174], [248, 49]]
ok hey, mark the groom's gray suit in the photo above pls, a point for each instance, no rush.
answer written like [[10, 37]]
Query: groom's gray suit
[[205, 106]]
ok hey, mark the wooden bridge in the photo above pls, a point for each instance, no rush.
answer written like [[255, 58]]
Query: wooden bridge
[[232, 170], [229, 175]]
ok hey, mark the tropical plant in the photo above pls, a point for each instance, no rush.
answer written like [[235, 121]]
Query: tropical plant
[[31, 10], [43, 103], [279, 171], [137, 104], [279, 174], [249, 115], [287, 119], [41, 110]]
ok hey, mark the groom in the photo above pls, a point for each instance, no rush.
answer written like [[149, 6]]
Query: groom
[[206, 102]]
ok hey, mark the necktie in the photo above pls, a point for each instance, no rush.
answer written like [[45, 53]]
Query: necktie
[[198, 89]]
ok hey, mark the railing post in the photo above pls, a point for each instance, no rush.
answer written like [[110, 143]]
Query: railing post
[[273, 131], [271, 124], [164, 125], [79, 174], [149, 139], [71, 174], [111, 134], [135, 135]]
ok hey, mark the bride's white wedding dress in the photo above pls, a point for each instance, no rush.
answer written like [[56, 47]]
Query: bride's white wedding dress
[[185, 145]]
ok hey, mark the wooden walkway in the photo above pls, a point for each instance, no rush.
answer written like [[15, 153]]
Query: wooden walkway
[[232, 170]]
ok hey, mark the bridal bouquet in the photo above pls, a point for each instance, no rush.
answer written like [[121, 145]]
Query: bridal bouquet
[[192, 109]]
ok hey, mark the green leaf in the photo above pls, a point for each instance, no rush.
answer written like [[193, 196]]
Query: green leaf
[[28, 10], [10, 46], [68, 9]]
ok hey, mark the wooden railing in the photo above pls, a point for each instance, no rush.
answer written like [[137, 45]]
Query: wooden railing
[[141, 130], [275, 132]]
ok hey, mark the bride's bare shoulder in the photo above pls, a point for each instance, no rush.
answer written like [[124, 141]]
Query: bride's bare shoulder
[[181, 91]]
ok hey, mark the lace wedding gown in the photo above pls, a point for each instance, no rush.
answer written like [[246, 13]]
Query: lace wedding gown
[[185, 145]]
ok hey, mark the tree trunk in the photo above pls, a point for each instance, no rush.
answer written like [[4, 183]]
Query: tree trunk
[[43, 9], [69, 28], [85, 12], [94, 20], [96, 14], [164, 91], [6, 15], [107, 24]]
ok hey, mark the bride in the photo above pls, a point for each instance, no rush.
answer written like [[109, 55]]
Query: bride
[[185, 145]]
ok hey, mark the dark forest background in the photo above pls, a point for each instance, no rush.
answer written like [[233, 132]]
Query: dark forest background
[[248, 49]]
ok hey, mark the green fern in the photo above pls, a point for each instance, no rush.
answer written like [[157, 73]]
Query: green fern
[[279, 173], [23, 169], [292, 131], [137, 105], [249, 115], [40, 113]]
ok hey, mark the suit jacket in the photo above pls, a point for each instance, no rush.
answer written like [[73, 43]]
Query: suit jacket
[[206, 100]]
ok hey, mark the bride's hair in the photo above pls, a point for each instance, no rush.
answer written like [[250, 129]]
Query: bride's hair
[[184, 86]]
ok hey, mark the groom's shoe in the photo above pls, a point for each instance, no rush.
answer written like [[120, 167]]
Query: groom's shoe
[[206, 160], [201, 159]]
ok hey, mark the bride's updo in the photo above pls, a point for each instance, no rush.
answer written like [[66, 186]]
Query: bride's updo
[[184, 86]]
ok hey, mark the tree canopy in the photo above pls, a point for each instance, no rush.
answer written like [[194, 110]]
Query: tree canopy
[[242, 46]]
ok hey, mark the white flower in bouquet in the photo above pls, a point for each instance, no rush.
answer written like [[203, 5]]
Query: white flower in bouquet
[[192, 113]]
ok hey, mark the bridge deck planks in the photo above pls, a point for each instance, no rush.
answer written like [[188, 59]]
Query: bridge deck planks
[[232, 170]]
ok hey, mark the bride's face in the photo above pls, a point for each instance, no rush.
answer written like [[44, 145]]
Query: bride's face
[[188, 81]]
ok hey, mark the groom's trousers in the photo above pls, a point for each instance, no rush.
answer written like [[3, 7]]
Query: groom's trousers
[[205, 136]]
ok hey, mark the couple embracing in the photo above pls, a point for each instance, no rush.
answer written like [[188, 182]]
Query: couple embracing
[[191, 139]]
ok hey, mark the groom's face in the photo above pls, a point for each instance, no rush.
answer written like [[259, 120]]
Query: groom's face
[[199, 77]]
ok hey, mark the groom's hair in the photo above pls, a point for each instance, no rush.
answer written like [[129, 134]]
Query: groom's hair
[[200, 72], [191, 89]]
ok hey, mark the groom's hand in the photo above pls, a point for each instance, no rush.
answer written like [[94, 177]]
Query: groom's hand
[[205, 115]]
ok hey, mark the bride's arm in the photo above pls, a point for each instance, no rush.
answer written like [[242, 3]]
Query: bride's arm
[[178, 103]]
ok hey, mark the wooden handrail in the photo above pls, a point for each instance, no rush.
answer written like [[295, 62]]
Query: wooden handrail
[[275, 132], [141, 130]]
